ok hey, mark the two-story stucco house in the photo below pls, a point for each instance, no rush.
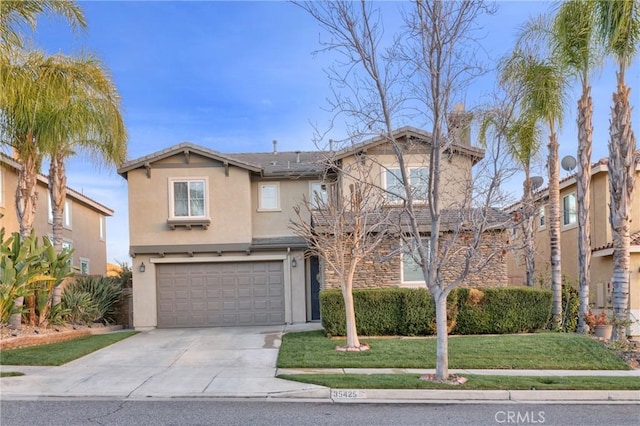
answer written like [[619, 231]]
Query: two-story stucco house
[[85, 224], [601, 241], [211, 238]]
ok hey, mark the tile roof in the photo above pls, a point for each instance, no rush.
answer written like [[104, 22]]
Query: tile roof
[[450, 219], [634, 237]]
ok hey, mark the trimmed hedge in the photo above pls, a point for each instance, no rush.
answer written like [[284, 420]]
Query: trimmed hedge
[[411, 312]]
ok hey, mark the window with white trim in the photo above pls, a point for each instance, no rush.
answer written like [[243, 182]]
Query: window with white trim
[[103, 228], [269, 196], [84, 266], [188, 198], [318, 195], [67, 245], [411, 269], [66, 214], [50, 208], [418, 180], [542, 218], [569, 209]]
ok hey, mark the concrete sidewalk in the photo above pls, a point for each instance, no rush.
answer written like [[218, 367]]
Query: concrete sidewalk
[[241, 363]]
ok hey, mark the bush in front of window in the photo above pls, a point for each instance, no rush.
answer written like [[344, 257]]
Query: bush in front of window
[[411, 312]]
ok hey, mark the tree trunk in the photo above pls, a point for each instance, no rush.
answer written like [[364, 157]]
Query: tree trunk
[[442, 352], [350, 316], [621, 182], [583, 183], [554, 230], [26, 195], [15, 320], [26, 202], [57, 191], [527, 230]]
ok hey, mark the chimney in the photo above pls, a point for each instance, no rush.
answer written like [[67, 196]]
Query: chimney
[[459, 123], [331, 145], [275, 147], [297, 156]]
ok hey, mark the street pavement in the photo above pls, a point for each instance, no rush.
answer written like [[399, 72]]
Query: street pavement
[[240, 362]]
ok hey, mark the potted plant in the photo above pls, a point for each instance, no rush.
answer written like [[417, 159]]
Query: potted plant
[[600, 324]]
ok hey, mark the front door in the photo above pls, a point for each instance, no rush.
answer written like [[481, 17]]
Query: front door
[[314, 269]]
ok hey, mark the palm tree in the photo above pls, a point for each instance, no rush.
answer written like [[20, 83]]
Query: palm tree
[[521, 135], [619, 30], [15, 14], [87, 118], [574, 43], [542, 83]]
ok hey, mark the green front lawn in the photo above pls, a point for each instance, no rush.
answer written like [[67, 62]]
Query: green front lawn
[[557, 351], [475, 382], [62, 352]]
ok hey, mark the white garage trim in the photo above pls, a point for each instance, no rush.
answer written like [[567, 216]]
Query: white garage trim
[[212, 259]]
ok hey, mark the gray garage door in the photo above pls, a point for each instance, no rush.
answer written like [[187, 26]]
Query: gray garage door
[[220, 294]]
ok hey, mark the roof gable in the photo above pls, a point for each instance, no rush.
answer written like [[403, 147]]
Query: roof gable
[[186, 149], [406, 133]]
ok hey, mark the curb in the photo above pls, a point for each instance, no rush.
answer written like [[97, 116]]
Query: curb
[[409, 395]]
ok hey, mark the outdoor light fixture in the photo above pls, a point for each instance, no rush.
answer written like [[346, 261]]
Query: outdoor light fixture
[[294, 262], [142, 268]]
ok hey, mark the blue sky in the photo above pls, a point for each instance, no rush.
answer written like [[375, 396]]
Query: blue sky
[[233, 76]]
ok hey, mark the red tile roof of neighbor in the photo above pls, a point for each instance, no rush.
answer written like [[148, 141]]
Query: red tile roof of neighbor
[[635, 241]]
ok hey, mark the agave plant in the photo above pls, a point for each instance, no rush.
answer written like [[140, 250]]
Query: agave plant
[[104, 294]]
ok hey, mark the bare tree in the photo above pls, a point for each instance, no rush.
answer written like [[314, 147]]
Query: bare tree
[[343, 229], [435, 67]]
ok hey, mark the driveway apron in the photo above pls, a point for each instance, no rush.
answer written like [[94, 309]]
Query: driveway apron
[[214, 362]]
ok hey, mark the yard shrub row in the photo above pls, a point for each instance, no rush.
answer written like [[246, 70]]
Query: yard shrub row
[[411, 312]]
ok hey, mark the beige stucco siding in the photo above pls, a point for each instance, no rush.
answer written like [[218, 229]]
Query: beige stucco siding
[[276, 223], [455, 174], [83, 235], [228, 206]]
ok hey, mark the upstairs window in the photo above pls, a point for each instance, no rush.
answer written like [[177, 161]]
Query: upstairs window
[[269, 197], [542, 218], [103, 227], [66, 213], [569, 210], [318, 195], [66, 218], [418, 181], [188, 198]]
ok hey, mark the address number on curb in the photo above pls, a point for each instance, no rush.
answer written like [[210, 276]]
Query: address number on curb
[[347, 394]]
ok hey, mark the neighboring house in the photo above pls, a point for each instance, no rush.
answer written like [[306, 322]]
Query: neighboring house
[[601, 240], [210, 234], [84, 219]]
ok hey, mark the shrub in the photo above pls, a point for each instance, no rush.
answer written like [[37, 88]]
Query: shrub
[[408, 312], [104, 294], [570, 308], [502, 310], [78, 306]]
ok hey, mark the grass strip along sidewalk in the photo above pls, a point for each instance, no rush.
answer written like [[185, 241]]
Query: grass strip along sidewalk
[[548, 351], [543, 351], [475, 382], [62, 352]]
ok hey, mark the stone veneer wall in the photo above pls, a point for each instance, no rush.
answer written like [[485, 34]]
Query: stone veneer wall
[[383, 268]]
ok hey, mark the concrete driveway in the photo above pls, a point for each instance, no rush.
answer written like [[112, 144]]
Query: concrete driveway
[[211, 362]]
